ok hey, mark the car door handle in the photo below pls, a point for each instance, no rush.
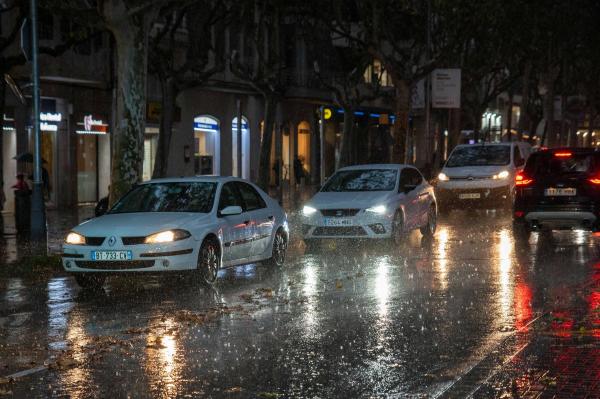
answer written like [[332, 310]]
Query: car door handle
[[271, 218], [423, 195], [246, 222]]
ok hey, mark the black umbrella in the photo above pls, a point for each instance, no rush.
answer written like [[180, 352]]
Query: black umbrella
[[26, 157]]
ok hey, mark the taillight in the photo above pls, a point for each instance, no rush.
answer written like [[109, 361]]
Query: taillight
[[594, 180], [564, 154], [522, 180]]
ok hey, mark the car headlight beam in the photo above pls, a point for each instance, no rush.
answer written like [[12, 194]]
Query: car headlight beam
[[379, 209], [75, 239], [443, 177], [308, 210], [166, 236]]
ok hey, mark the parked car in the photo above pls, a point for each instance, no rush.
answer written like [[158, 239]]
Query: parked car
[[558, 189], [196, 224], [373, 202], [481, 175]]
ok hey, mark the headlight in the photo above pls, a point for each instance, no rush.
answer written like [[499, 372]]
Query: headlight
[[75, 239], [379, 209], [167, 236], [308, 210], [443, 177], [502, 175]]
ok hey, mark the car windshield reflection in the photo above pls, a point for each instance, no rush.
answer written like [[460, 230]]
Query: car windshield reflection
[[168, 197], [362, 180]]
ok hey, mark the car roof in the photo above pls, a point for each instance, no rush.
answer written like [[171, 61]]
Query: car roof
[[377, 166], [508, 144], [187, 179]]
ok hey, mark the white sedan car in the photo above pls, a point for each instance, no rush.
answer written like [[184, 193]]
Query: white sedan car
[[197, 224], [371, 201]]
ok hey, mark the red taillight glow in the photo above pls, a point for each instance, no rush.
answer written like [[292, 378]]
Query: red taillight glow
[[522, 180], [594, 180], [519, 214], [563, 154]]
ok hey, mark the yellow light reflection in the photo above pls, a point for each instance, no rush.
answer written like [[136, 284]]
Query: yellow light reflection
[[382, 288], [162, 365], [76, 379], [504, 250], [442, 262], [309, 289]]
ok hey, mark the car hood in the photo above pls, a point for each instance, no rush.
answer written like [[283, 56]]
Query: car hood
[[475, 171], [349, 200], [137, 224]]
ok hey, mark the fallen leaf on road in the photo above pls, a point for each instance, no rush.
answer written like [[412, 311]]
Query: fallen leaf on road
[[233, 390], [338, 284], [268, 395]]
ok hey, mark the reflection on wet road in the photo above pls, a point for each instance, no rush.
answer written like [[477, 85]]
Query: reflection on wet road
[[346, 321]]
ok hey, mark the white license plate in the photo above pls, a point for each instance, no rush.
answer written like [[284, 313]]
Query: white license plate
[[469, 196], [112, 255], [560, 192], [338, 222]]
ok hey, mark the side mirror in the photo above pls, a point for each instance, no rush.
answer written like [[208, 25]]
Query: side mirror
[[231, 210]]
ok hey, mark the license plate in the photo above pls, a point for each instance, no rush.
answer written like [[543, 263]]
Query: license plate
[[560, 192], [338, 222], [112, 255], [469, 196]]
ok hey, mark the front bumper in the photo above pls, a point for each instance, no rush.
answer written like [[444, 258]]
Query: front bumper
[[363, 225], [146, 258], [472, 195]]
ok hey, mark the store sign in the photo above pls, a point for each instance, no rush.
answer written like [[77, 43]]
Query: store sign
[[326, 113], [206, 124], [50, 117], [48, 127], [92, 126], [445, 88]]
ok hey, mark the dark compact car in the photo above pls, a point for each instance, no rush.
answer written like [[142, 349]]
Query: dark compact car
[[559, 189]]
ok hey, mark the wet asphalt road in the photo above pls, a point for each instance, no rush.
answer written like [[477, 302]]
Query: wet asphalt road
[[347, 321]]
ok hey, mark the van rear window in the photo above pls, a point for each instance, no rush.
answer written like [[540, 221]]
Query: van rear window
[[549, 164]]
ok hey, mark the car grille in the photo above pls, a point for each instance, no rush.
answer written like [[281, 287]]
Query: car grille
[[94, 240], [133, 240], [339, 212], [340, 231], [471, 178], [115, 265]]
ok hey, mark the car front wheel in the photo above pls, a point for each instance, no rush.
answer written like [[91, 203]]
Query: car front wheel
[[209, 261], [398, 235]]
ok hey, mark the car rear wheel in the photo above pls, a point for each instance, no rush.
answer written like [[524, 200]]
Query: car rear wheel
[[279, 249], [209, 261], [90, 281], [398, 235], [429, 229]]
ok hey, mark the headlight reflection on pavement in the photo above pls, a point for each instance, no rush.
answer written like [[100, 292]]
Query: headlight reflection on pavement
[[504, 251]]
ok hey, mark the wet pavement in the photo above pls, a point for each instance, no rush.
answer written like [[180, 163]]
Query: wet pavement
[[469, 313]]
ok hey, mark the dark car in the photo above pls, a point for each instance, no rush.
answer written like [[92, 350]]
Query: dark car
[[559, 189]]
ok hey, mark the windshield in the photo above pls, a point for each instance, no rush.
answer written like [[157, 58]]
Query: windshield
[[168, 197], [547, 164], [481, 155], [362, 180]]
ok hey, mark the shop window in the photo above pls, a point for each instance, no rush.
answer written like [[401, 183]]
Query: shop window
[[376, 74], [207, 136]]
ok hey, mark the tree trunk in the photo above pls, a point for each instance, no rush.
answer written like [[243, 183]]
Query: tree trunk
[[402, 104], [2, 110], [509, 118], [264, 169], [131, 39], [523, 117], [169, 94], [346, 144], [549, 138]]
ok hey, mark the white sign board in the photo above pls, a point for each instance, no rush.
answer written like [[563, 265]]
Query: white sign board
[[445, 88]]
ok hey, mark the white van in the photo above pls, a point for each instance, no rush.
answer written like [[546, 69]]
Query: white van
[[481, 175]]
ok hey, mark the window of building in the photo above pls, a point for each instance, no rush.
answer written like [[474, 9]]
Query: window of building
[[376, 74], [46, 24]]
